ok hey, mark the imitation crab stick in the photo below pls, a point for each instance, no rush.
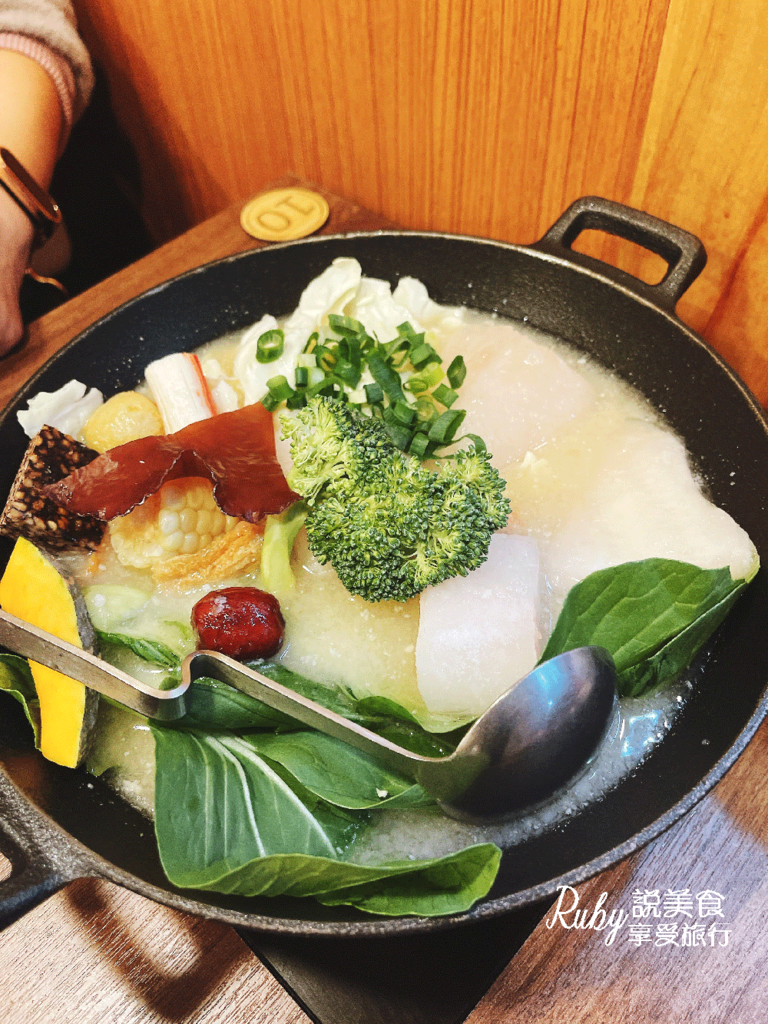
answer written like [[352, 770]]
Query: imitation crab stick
[[180, 390]]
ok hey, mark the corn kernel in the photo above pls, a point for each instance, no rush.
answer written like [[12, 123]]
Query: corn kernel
[[168, 522], [182, 518], [174, 497], [188, 519], [174, 542]]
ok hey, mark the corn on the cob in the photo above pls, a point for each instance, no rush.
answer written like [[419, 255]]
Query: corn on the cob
[[180, 519], [226, 557]]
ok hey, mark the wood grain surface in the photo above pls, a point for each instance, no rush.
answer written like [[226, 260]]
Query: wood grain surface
[[89, 955], [572, 974], [484, 117]]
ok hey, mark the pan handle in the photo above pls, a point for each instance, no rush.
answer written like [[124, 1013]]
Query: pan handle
[[684, 253], [41, 861]]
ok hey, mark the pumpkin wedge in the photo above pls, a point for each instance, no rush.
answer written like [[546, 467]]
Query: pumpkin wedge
[[37, 591]]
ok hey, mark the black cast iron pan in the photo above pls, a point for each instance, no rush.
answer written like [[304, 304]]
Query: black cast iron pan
[[58, 824]]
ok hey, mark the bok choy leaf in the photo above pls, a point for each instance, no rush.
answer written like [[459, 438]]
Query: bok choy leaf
[[653, 616], [230, 820]]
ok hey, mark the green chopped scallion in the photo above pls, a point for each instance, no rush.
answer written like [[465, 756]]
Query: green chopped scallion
[[425, 410], [269, 402], [279, 388], [270, 346], [457, 372], [374, 393], [312, 341], [445, 396], [326, 357], [429, 375], [404, 413], [348, 373], [416, 385], [387, 377], [297, 400], [423, 354], [443, 430], [419, 445], [345, 325], [400, 435]]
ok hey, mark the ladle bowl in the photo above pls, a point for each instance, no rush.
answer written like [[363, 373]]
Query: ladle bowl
[[529, 744]]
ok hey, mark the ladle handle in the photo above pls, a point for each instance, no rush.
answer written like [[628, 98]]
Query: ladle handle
[[684, 253], [227, 670], [30, 642]]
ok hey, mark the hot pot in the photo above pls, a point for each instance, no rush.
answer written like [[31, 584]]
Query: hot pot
[[57, 825]]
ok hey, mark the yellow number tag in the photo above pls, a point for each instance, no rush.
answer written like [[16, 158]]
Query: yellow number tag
[[283, 214]]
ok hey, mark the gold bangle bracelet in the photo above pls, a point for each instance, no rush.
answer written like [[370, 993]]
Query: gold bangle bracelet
[[29, 196]]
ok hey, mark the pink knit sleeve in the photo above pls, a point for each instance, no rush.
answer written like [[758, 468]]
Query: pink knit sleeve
[[57, 67]]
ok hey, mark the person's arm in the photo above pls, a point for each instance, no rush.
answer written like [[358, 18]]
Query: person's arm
[[31, 124]]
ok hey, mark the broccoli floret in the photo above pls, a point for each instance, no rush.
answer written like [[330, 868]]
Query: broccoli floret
[[389, 525]]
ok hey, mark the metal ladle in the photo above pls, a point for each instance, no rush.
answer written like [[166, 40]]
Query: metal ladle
[[529, 744]]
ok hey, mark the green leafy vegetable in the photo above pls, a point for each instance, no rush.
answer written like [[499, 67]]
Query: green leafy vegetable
[[211, 704], [153, 651], [339, 773], [653, 616], [447, 885], [215, 705], [337, 698], [112, 605], [16, 680], [227, 820], [280, 534], [123, 618], [218, 805]]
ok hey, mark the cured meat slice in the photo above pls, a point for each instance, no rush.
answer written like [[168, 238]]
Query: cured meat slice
[[234, 450]]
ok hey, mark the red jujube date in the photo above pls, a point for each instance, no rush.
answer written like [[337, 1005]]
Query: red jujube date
[[242, 622]]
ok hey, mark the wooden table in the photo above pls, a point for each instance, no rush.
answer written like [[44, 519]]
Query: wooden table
[[97, 953]]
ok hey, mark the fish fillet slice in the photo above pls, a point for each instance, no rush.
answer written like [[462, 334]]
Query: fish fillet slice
[[479, 633], [644, 502]]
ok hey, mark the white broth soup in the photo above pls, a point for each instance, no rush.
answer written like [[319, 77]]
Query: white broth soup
[[585, 438], [594, 478]]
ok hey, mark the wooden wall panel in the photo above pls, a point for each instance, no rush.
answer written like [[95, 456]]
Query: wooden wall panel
[[474, 116], [482, 117], [704, 166]]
